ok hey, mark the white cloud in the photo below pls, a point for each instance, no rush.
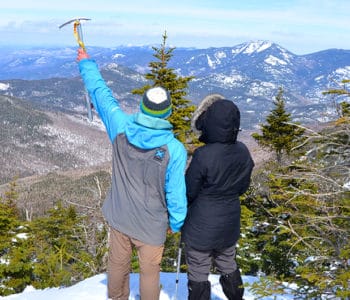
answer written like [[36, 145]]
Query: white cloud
[[301, 26], [4, 86]]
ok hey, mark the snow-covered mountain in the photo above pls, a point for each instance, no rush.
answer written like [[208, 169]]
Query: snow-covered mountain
[[249, 74]]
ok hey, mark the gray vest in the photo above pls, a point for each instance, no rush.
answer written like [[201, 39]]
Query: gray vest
[[136, 204]]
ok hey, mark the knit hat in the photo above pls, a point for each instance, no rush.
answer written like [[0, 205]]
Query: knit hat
[[156, 102]]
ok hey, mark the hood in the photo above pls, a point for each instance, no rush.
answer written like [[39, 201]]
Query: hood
[[202, 107], [148, 132], [218, 120]]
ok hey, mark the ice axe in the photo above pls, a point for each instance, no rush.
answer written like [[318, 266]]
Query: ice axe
[[78, 34]]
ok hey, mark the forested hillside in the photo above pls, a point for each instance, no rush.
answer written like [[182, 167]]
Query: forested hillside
[[36, 142]]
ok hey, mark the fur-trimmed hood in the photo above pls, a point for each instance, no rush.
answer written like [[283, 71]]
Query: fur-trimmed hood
[[216, 119]]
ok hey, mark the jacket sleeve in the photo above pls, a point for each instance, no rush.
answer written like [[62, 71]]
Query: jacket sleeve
[[102, 98], [175, 187], [246, 169], [194, 178], [246, 175]]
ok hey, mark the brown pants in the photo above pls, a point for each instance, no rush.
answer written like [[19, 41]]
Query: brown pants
[[118, 268]]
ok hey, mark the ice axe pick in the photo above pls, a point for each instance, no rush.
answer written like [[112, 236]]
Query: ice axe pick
[[78, 34]]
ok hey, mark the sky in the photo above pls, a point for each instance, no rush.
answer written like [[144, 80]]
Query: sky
[[95, 288], [300, 26]]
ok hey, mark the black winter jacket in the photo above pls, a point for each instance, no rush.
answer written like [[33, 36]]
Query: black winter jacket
[[218, 174]]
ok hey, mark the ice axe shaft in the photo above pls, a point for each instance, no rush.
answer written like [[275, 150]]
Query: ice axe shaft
[[178, 264], [78, 34]]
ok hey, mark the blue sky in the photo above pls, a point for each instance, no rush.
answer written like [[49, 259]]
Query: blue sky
[[301, 26]]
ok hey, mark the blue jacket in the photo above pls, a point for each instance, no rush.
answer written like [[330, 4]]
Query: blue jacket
[[148, 191]]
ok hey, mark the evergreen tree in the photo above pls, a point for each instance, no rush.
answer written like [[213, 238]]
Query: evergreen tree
[[345, 109], [161, 75], [279, 134], [61, 254], [248, 258], [17, 272], [11, 197], [15, 251], [171, 250], [302, 217], [342, 107]]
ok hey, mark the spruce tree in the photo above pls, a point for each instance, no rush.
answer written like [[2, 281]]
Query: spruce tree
[[61, 248], [279, 135], [15, 250], [161, 74], [302, 218], [342, 107]]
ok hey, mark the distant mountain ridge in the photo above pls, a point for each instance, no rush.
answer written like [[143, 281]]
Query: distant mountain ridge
[[249, 74], [44, 125]]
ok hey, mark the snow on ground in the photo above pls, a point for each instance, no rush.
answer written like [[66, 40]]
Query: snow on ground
[[4, 86], [95, 288]]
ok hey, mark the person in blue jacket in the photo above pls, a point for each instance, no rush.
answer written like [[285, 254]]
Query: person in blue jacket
[[147, 197], [219, 172]]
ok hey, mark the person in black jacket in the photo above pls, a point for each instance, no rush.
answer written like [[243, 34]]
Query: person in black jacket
[[218, 174]]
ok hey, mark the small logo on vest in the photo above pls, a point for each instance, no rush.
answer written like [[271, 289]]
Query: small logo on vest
[[159, 154]]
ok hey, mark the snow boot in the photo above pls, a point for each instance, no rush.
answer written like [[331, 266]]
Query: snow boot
[[198, 290], [232, 285]]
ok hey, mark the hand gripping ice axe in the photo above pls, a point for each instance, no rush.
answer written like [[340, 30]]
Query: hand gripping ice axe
[[78, 34]]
